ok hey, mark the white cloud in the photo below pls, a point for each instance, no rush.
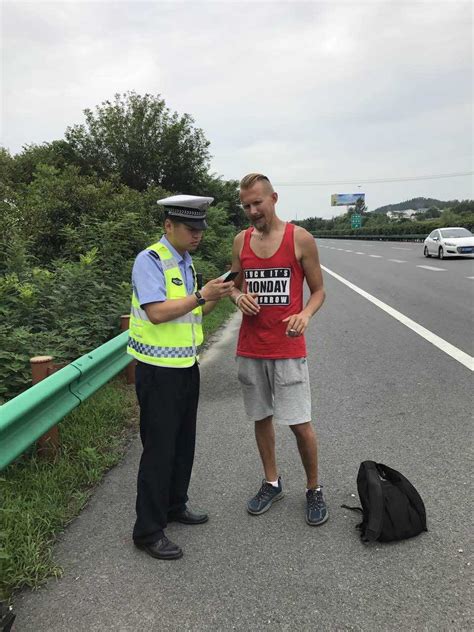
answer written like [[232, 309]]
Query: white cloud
[[303, 91]]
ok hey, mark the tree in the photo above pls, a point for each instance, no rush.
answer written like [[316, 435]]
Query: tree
[[66, 214], [431, 213], [12, 245], [374, 220], [464, 207], [58, 154], [360, 207], [226, 196], [139, 140], [6, 170]]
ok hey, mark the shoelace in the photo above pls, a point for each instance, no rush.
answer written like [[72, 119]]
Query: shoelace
[[264, 490], [315, 499]]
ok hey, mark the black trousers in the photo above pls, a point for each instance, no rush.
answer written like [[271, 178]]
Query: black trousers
[[168, 401]]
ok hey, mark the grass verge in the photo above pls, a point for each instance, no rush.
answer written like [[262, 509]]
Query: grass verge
[[222, 311], [39, 498]]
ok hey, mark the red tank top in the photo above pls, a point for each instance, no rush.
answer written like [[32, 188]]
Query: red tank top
[[278, 280]]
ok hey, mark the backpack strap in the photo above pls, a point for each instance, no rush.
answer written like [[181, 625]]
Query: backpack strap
[[352, 508], [375, 518], [398, 479]]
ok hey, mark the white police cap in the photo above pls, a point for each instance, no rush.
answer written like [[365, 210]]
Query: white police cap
[[188, 209]]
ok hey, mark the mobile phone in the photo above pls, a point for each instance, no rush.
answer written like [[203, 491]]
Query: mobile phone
[[228, 276]]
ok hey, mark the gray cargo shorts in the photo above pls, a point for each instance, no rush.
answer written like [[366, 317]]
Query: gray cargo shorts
[[275, 387]]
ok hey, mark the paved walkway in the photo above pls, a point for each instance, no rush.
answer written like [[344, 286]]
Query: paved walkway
[[241, 572]]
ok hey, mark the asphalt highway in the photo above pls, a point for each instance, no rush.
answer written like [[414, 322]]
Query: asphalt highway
[[381, 391], [438, 294]]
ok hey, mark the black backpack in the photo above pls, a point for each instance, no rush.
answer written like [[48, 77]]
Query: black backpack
[[392, 508]]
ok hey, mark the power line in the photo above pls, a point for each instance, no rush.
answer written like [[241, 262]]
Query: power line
[[436, 176]]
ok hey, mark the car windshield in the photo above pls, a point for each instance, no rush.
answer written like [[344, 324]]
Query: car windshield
[[455, 232]]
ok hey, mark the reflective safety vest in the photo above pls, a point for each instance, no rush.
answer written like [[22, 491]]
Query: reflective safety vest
[[177, 342]]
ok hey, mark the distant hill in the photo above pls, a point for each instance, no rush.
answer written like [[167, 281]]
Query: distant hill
[[415, 204]]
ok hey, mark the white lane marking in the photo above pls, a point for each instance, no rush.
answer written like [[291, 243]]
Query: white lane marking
[[432, 268], [360, 253], [397, 260], [348, 251], [455, 353], [376, 256], [399, 248], [469, 277]]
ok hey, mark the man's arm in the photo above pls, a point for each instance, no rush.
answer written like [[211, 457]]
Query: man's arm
[[245, 302], [236, 267], [307, 253]]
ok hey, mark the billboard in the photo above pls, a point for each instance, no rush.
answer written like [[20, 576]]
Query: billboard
[[346, 199]]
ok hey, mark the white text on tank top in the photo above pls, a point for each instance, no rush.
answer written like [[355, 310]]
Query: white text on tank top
[[271, 284]]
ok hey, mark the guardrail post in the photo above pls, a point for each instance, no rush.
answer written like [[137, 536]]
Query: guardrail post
[[129, 370], [41, 368]]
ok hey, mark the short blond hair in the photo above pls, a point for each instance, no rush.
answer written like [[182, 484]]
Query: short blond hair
[[250, 179]]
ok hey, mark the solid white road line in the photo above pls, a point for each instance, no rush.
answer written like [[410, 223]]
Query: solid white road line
[[455, 353], [399, 248], [431, 268], [397, 260], [376, 256]]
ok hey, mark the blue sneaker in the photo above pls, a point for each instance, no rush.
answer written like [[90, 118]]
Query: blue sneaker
[[263, 499], [316, 509]]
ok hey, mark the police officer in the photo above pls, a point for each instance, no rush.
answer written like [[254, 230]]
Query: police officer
[[165, 337]]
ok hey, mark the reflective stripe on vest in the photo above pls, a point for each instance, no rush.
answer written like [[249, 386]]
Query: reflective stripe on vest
[[140, 313], [175, 343], [163, 352]]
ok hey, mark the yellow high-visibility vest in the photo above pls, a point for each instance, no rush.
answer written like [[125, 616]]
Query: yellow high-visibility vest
[[172, 344]]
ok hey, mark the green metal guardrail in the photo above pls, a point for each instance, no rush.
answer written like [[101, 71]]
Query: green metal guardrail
[[28, 416], [418, 238]]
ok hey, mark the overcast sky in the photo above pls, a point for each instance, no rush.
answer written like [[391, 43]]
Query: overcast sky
[[301, 91]]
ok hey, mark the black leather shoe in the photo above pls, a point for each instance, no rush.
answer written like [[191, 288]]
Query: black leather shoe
[[162, 549], [188, 517]]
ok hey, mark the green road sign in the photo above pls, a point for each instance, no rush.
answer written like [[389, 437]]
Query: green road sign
[[356, 221]]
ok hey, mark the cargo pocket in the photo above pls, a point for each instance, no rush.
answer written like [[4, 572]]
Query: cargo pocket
[[246, 374], [290, 373]]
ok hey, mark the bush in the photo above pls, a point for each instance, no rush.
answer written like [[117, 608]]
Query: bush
[[66, 271], [64, 312]]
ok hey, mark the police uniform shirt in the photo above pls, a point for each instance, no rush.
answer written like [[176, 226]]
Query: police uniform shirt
[[148, 278]]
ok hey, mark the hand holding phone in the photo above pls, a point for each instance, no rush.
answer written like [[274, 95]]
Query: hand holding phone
[[228, 276], [216, 289]]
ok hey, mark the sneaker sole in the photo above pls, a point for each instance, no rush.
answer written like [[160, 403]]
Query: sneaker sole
[[267, 507], [317, 524]]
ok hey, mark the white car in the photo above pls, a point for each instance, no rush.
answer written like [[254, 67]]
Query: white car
[[449, 242]]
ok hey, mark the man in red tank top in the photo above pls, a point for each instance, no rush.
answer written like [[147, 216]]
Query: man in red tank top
[[274, 258]]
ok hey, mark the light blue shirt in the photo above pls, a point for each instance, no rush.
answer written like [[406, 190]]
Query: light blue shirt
[[148, 278]]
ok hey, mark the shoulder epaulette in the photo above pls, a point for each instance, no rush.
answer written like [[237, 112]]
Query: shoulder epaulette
[[154, 254]]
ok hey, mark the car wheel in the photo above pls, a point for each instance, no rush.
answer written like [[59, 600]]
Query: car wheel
[[425, 252], [441, 253]]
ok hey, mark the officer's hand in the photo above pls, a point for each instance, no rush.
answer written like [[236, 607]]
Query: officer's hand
[[216, 289]]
